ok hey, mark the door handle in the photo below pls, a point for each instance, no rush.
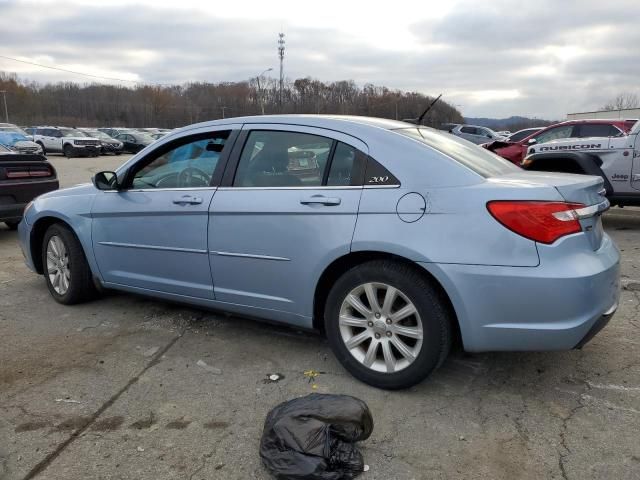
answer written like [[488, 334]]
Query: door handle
[[187, 200], [320, 200]]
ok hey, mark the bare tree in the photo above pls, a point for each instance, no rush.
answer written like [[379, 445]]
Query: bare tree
[[622, 101]]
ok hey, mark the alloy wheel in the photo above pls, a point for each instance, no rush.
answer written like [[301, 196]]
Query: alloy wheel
[[58, 265], [381, 327]]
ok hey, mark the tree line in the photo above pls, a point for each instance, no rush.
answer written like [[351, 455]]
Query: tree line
[[169, 106]]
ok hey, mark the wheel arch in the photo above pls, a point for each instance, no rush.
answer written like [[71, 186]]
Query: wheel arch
[[341, 264], [36, 238], [569, 162]]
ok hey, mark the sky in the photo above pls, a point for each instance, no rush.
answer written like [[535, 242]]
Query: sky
[[488, 58]]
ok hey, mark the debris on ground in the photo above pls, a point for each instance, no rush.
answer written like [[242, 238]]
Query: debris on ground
[[313, 438], [67, 400], [140, 449], [273, 378], [208, 368]]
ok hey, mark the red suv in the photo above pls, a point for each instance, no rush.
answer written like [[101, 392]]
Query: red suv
[[516, 151]]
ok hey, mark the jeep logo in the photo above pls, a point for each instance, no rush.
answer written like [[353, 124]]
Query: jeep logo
[[570, 147], [617, 177]]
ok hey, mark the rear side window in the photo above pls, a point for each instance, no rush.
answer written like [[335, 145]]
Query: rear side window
[[556, 133], [470, 130], [478, 159], [598, 130]]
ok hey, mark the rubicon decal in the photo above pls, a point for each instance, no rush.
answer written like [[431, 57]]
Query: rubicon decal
[[585, 146]]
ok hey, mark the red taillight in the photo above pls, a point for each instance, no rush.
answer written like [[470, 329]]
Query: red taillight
[[33, 172], [543, 222]]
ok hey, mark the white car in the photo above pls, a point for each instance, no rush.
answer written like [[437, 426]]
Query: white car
[[68, 141], [477, 135]]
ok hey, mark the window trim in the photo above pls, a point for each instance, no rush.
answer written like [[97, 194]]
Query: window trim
[[231, 168], [176, 143]]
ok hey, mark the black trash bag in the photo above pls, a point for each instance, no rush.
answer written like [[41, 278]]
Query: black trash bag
[[313, 438]]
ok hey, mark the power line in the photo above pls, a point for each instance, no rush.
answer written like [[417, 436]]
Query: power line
[[69, 71]]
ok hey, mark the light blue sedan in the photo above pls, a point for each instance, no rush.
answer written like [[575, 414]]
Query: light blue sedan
[[395, 240]]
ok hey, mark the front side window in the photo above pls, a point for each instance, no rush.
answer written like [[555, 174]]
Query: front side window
[[282, 159], [555, 134], [469, 130], [185, 163]]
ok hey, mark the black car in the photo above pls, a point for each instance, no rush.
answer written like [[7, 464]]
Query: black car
[[107, 143], [133, 142], [23, 177]]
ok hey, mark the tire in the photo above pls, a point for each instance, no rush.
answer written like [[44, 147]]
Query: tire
[[432, 321], [118, 153], [67, 150], [12, 224], [80, 286], [44, 150]]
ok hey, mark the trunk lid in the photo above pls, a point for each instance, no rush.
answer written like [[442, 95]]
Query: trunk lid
[[585, 189]]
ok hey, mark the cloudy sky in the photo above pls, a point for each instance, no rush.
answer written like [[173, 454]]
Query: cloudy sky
[[490, 58]]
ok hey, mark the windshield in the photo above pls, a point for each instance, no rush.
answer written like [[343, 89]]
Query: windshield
[[474, 157], [143, 138], [13, 130], [11, 138], [70, 132]]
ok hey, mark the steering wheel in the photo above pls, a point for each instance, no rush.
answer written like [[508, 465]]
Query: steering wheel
[[193, 177]]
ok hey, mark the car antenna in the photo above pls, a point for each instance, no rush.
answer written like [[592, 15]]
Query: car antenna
[[421, 117]]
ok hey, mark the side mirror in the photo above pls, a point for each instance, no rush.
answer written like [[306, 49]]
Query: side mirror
[[532, 141], [106, 181]]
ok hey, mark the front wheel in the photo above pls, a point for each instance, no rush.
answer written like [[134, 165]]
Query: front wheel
[[387, 324], [66, 270], [67, 151]]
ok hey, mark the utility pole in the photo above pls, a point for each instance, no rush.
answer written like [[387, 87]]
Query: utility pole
[[223, 109], [6, 112], [281, 55]]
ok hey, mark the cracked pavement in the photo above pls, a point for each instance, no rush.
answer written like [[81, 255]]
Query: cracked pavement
[[113, 390]]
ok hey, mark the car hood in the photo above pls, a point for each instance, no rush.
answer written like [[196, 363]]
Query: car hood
[[25, 144], [77, 190]]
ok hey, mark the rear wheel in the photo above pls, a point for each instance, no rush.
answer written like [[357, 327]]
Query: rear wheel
[[68, 151], [387, 325], [66, 270]]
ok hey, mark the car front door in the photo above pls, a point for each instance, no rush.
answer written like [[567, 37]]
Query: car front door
[[151, 235], [52, 140], [287, 207]]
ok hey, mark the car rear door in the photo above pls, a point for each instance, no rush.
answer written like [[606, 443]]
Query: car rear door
[[151, 235], [287, 208]]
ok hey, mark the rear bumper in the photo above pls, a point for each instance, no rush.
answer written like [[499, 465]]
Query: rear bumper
[[15, 196], [597, 326], [557, 305]]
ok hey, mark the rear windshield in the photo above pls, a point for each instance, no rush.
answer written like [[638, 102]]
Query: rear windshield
[[474, 157]]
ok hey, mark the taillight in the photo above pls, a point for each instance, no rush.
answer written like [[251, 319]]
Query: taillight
[[543, 222], [32, 172]]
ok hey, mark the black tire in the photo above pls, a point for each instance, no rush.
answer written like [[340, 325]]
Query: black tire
[[118, 153], [67, 150], [12, 224], [81, 287], [44, 150], [433, 311]]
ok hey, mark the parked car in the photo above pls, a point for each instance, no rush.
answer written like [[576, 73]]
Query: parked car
[[614, 158], [23, 176], [68, 141], [521, 134], [504, 133], [516, 151], [133, 142], [114, 132], [393, 239], [107, 143], [475, 134], [158, 136], [17, 139]]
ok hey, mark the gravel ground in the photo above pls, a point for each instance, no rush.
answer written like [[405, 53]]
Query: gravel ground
[[131, 388]]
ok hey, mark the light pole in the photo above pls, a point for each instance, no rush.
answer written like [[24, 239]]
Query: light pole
[[6, 112], [260, 99]]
